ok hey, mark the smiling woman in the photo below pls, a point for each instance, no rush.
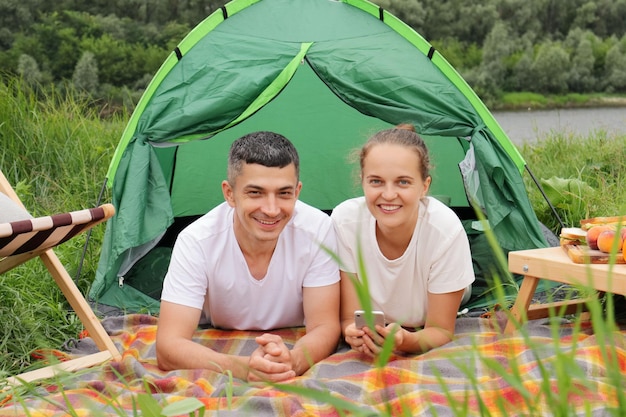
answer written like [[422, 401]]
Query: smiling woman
[[393, 188], [413, 247]]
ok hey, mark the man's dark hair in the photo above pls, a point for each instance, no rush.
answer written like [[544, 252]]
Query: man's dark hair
[[264, 148]]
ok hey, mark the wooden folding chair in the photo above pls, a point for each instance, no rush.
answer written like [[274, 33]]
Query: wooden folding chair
[[23, 238]]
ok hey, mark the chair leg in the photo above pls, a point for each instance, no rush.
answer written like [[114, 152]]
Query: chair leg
[[79, 304], [68, 366]]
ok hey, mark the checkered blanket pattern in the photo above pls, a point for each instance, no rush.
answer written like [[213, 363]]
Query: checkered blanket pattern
[[481, 372]]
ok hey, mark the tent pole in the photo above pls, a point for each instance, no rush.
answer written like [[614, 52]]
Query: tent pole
[[545, 196]]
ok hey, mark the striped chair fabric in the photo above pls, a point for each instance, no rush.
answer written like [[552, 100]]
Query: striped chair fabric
[[42, 233]]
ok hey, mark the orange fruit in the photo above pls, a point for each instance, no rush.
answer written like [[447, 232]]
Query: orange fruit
[[606, 240], [593, 233]]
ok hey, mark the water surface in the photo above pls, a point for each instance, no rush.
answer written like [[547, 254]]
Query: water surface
[[528, 126]]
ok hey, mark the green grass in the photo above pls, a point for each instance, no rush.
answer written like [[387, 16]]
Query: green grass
[[56, 149], [536, 101], [55, 152], [593, 168]]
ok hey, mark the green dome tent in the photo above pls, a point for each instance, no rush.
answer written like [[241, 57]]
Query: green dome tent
[[324, 73]]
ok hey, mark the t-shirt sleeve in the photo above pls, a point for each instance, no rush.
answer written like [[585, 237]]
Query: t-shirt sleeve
[[185, 282], [452, 269], [323, 269], [346, 241]]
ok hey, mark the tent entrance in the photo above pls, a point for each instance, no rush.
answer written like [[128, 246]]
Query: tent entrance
[[326, 132], [329, 167]]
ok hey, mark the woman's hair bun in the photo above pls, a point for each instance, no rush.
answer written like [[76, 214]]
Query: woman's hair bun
[[406, 126]]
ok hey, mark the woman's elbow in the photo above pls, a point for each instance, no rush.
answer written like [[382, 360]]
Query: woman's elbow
[[163, 357]]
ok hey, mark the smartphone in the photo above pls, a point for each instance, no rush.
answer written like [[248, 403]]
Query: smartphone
[[359, 318]]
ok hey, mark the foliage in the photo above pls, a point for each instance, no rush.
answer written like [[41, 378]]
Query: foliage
[[461, 55], [496, 45], [85, 76], [550, 69], [569, 196], [580, 76], [616, 66], [28, 69]]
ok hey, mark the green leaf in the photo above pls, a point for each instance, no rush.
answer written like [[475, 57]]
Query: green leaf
[[387, 349], [566, 190], [326, 396], [148, 405], [186, 406]]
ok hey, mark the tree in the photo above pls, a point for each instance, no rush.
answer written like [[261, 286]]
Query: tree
[[522, 77], [85, 76], [16, 16], [28, 69], [604, 17], [55, 46], [555, 16], [478, 20], [519, 17], [551, 68], [497, 48], [617, 17], [586, 16], [580, 77], [459, 54], [467, 20], [616, 67], [6, 39]]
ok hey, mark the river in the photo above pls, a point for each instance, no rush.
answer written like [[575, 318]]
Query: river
[[528, 126]]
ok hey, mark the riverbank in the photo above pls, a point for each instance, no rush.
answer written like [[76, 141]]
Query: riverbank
[[532, 101]]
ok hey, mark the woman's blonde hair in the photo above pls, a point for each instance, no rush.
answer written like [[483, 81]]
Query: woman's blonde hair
[[403, 134]]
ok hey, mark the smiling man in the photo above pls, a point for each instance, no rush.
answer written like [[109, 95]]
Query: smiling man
[[258, 261]]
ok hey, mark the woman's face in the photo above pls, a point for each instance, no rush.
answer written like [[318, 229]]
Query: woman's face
[[393, 185]]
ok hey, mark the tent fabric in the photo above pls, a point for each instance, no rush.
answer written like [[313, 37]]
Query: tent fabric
[[249, 66]]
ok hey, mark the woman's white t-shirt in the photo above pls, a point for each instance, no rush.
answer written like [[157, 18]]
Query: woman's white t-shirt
[[437, 260], [208, 270]]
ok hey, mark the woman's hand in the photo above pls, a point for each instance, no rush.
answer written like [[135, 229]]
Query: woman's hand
[[354, 337], [373, 341]]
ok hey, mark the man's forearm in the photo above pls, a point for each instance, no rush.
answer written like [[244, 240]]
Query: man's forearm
[[187, 354], [316, 345]]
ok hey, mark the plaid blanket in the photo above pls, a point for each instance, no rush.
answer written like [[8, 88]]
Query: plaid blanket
[[543, 370]]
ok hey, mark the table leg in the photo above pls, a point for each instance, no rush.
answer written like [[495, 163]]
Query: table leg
[[522, 302]]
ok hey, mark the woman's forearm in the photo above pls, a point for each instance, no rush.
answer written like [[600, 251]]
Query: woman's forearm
[[424, 340]]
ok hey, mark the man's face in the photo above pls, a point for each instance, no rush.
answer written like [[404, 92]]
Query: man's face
[[264, 199]]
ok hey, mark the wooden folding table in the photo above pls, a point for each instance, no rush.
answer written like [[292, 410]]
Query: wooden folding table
[[554, 264]]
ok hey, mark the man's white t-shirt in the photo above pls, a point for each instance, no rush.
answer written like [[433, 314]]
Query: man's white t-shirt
[[437, 260], [208, 270]]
